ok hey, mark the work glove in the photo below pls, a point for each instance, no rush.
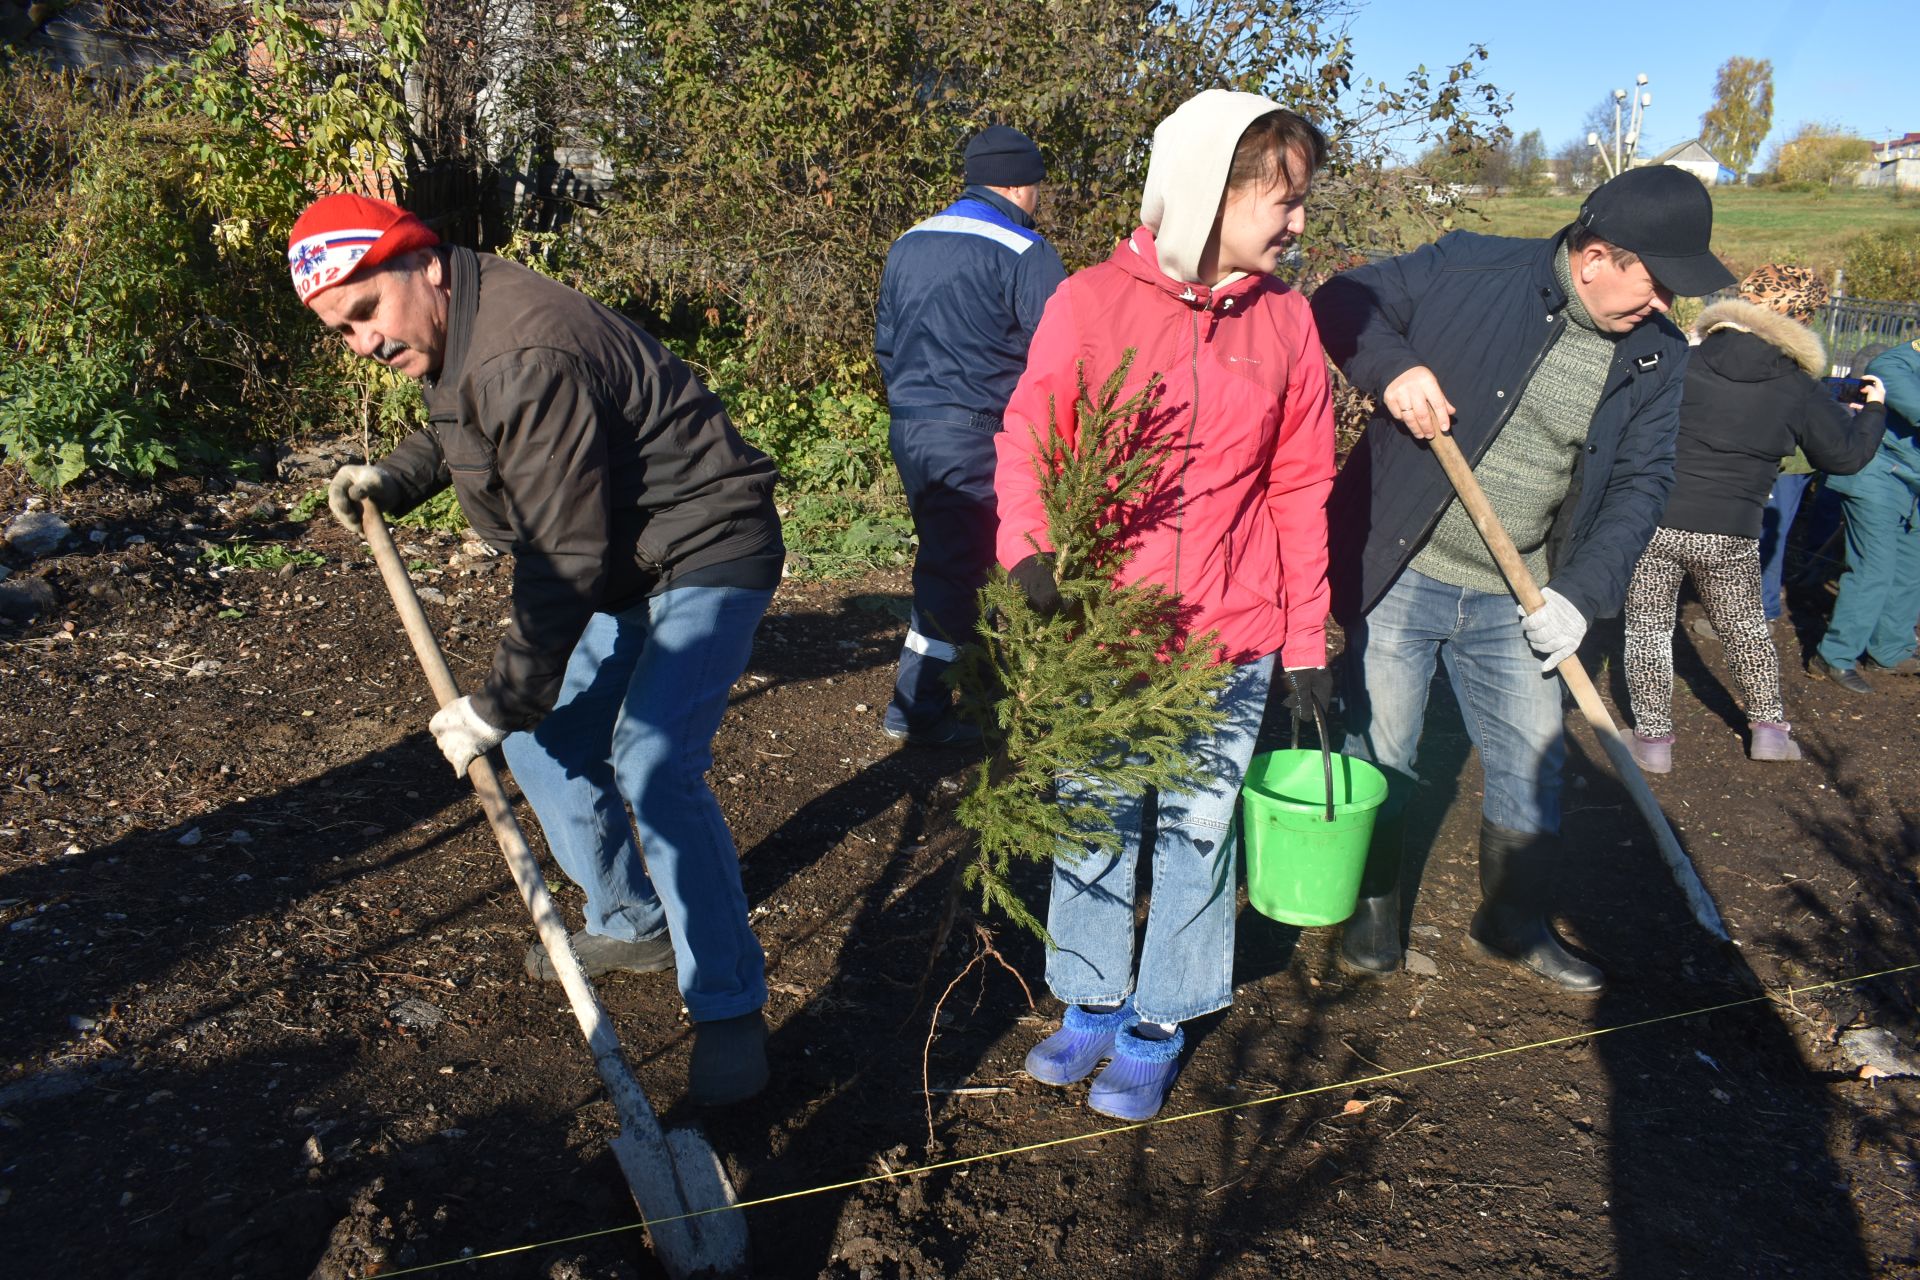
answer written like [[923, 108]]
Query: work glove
[[1307, 688], [349, 485], [462, 735], [1034, 577], [1555, 628]]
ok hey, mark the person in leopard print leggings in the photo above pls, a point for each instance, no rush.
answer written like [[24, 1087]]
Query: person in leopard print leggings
[[1753, 395]]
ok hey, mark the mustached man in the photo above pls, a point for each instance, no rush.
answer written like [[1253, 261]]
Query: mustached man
[[645, 548]]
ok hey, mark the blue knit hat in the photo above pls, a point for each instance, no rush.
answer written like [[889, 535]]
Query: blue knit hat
[[1001, 157]]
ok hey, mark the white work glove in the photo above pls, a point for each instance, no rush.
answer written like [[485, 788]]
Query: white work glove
[[352, 483], [1555, 628], [463, 736]]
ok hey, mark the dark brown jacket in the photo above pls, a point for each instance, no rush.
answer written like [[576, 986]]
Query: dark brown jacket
[[583, 447]]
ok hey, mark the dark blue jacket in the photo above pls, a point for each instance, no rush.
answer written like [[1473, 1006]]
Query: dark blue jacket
[[959, 300], [1480, 312]]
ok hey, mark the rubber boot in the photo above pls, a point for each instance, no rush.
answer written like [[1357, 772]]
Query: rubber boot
[[1772, 741], [729, 1061], [1512, 925], [1370, 940], [1653, 755]]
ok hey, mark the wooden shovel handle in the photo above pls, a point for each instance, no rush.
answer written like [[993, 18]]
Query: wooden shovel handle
[[687, 1242], [1612, 741], [1474, 499]]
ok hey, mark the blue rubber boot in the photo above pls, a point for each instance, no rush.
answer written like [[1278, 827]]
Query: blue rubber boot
[[1070, 1054], [1135, 1083]]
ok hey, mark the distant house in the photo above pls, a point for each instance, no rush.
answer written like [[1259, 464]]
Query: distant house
[[1895, 164], [1696, 160]]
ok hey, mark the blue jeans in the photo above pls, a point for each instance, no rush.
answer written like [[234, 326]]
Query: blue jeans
[[1512, 709], [1776, 522], [1186, 961], [628, 745]]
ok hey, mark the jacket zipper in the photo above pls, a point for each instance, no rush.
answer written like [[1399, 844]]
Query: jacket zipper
[[1500, 424], [1186, 452]]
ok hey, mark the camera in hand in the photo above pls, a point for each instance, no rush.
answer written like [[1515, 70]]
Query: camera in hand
[[1848, 390]]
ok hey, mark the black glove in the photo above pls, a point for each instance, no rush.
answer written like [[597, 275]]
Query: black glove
[[1307, 688], [1034, 577]]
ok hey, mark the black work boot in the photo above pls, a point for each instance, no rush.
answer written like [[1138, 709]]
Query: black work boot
[[1370, 940], [1512, 924], [729, 1061]]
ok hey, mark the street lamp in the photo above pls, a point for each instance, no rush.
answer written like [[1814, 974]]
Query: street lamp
[[1626, 142], [1619, 95]]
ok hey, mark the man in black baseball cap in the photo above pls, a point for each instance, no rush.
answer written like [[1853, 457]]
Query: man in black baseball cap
[[1553, 365], [1663, 216]]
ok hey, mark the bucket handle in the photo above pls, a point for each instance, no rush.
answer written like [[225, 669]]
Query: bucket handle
[[1326, 750]]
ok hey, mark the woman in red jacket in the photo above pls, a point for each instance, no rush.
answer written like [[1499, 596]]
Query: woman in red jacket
[[1244, 399]]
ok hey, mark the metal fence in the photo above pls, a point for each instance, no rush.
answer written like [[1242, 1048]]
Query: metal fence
[[1854, 324]]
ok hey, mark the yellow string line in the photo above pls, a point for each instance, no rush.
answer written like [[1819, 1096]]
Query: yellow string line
[[1590, 1034]]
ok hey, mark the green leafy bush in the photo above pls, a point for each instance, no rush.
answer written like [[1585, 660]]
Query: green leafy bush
[[147, 316], [1817, 156], [441, 511], [295, 109], [1885, 264], [827, 438], [842, 507], [102, 316], [771, 153], [835, 535]]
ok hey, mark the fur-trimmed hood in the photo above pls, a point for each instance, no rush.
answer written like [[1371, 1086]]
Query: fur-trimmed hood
[[1799, 343]]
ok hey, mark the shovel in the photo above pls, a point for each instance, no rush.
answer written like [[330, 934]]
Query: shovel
[[1612, 741], [677, 1181]]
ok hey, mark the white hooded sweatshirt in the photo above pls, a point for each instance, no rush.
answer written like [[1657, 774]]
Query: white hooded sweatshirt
[[1187, 175]]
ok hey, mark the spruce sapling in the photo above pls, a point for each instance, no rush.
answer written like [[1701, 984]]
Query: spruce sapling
[[1102, 697]]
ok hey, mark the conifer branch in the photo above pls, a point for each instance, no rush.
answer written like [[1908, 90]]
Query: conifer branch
[[1101, 698]]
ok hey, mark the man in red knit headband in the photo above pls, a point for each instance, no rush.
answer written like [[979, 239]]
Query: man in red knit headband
[[343, 234], [645, 549]]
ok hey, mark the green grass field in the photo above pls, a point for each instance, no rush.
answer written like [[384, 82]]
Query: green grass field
[[1751, 225]]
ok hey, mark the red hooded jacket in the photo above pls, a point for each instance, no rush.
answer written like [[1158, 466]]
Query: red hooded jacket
[[1245, 405]]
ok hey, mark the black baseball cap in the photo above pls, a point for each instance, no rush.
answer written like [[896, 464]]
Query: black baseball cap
[[1665, 215]]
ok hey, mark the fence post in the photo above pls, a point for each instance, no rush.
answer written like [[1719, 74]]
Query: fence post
[[1833, 306]]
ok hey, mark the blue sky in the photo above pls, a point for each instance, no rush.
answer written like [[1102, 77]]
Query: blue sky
[[1851, 64]]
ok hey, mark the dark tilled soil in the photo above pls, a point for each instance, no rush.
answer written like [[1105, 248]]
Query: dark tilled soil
[[265, 1013]]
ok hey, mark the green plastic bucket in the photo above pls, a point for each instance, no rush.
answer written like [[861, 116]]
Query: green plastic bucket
[[1304, 857]]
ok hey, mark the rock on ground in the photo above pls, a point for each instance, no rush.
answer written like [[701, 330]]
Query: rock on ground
[[36, 533], [27, 598]]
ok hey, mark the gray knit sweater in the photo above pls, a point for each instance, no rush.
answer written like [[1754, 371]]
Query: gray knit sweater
[[1529, 465]]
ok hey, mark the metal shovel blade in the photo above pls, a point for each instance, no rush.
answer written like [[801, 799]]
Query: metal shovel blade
[[709, 1242]]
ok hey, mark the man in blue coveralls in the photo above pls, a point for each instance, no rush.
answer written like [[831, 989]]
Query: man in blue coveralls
[[959, 300]]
